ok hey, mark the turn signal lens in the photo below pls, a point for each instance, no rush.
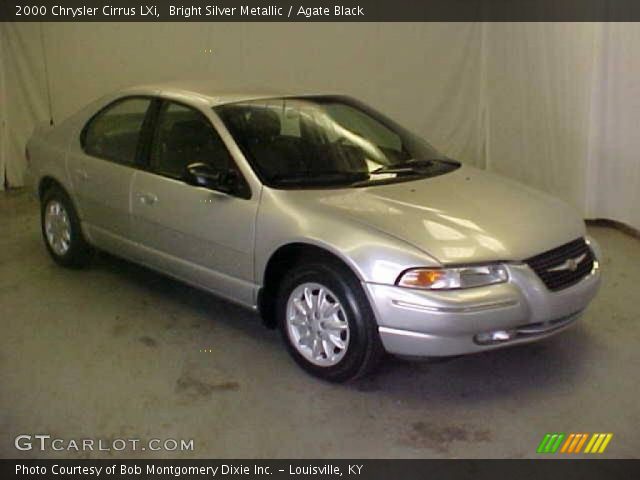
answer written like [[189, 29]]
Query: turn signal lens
[[421, 278], [452, 278]]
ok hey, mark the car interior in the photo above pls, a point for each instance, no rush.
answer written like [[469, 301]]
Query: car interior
[[275, 154]]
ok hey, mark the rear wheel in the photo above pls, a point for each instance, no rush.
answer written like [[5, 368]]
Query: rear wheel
[[61, 230], [327, 323]]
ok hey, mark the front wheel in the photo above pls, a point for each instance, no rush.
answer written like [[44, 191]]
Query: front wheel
[[327, 323]]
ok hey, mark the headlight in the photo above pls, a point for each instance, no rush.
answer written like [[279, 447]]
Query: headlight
[[450, 278]]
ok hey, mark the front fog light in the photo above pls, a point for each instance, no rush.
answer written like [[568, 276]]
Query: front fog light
[[498, 336]]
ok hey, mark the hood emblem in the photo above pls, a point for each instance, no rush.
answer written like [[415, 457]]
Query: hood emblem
[[570, 264]]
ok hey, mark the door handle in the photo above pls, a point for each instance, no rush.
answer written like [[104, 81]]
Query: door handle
[[147, 198], [82, 174]]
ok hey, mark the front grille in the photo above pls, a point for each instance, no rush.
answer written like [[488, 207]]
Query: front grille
[[563, 278]]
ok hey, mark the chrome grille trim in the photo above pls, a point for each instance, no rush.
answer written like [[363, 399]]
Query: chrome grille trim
[[559, 279]]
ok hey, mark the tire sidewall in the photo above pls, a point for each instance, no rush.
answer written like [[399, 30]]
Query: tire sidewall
[[358, 317]]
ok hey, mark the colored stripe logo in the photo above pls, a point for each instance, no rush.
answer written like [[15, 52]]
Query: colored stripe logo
[[574, 442]]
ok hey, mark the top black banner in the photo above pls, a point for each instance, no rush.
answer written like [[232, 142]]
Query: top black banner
[[320, 11]]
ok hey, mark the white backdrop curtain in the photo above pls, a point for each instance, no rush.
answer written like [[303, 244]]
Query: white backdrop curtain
[[613, 168], [564, 108], [3, 115], [538, 86], [553, 105], [25, 96]]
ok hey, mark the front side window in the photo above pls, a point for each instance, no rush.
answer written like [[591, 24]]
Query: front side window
[[114, 133], [327, 141], [185, 136]]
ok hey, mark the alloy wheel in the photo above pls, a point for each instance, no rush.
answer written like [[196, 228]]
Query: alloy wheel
[[57, 227], [317, 324]]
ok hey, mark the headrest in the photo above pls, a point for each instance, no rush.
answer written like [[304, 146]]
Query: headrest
[[189, 133], [257, 123]]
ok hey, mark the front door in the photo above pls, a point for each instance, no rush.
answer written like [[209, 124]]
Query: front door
[[197, 234]]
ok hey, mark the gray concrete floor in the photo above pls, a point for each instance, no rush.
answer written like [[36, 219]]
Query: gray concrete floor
[[115, 351]]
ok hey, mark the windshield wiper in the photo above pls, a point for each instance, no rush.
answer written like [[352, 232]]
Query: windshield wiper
[[412, 165], [319, 178]]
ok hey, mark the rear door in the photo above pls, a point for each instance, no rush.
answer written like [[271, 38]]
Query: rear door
[[103, 168], [194, 233]]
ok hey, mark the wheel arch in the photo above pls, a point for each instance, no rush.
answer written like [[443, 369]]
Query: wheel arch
[[46, 183], [280, 262]]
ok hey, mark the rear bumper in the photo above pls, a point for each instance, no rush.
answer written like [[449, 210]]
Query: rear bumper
[[427, 323]]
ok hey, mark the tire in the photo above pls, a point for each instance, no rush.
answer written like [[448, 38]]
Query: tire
[[59, 219], [344, 296]]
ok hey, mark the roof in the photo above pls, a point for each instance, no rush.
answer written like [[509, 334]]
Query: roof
[[214, 95]]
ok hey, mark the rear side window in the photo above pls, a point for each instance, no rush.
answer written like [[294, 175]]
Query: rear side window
[[114, 133]]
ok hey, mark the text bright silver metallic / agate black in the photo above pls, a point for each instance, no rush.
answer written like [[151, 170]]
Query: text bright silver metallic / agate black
[[352, 234]]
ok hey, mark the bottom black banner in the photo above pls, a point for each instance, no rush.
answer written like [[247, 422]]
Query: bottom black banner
[[305, 469]]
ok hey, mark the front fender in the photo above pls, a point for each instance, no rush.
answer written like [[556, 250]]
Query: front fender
[[374, 256]]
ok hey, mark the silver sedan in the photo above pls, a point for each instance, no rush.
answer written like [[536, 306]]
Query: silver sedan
[[350, 234]]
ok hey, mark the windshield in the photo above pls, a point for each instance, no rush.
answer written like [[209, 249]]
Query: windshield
[[326, 142]]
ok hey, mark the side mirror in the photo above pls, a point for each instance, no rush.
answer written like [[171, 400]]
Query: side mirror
[[204, 175]]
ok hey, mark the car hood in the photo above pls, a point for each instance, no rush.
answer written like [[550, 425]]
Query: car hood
[[465, 216]]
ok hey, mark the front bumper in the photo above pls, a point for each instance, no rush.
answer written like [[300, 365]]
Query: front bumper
[[430, 323]]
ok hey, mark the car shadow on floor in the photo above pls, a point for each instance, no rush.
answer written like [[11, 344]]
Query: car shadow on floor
[[552, 366], [201, 302]]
